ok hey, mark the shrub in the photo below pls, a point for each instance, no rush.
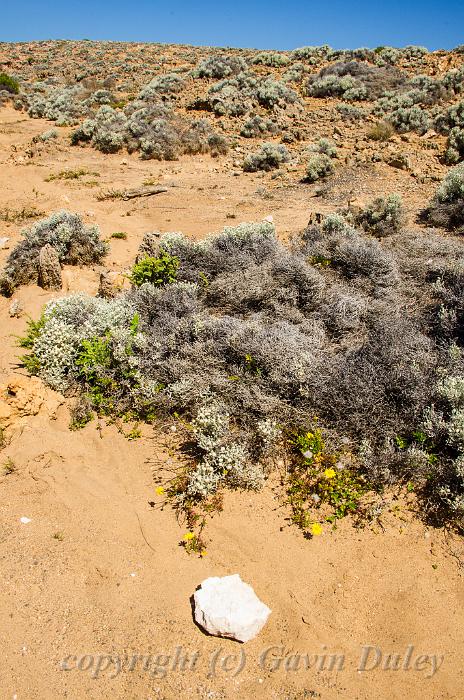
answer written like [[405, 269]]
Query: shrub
[[274, 93], [295, 73], [350, 113], [382, 217], [271, 59], [49, 135], [414, 52], [318, 166], [268, 157], [446, 209], [75, 244], [382, 131], [387, 54], [9, 84], [354, 81], [240, 95], [220, 66], [312, 54], [324, 146], [166, 84], [151, 128], [250, 337], [410, 119], [257, 126], [63, 105], [157, 271], [451, 122], [455, 147]]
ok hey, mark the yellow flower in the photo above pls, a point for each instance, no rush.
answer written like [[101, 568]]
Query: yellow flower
[[188, 536], [329, 473], [203, 553], [159, 490], [316, 529]]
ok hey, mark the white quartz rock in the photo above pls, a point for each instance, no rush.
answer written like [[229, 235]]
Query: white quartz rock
[[228, 607]]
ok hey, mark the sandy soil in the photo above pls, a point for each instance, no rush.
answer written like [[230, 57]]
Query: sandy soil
[[95, 595]]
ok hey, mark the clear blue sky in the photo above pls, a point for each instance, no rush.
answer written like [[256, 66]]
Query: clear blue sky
[[279, 24]]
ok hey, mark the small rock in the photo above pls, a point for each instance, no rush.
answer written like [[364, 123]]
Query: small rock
[[15, 309], [269, 218], [49, 268], [228, 607], [25, 520], [3, 242], [111, 284], [399, 161]]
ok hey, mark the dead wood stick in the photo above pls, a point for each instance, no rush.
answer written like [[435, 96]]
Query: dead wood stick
[[143, 192]]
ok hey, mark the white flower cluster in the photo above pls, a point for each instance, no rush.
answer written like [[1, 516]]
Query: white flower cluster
[[222, 462], [69, 321], [452, 389], [269, 432], [203, 481], [56, 349], [210, 426]]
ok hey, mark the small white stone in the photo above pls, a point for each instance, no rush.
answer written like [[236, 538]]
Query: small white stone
[[308, 454], [269, 218], [228, 607], [3, 242], [25, 520]]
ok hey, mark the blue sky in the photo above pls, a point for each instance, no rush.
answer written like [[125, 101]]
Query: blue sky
[[278, 24]]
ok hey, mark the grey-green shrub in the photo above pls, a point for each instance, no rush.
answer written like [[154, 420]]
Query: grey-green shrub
[[446, 209], [271, 59], [220, 66], [318, 166], [269, 156], [254, 337], [384, 216], [74, 243]]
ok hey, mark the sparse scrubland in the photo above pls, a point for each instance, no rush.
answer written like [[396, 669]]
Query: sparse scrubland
[[350, 334], [232, 302]]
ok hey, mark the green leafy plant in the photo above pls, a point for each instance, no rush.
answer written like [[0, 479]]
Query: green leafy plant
[[30, 360], [119, 234], [318, 480], [9, 466], [252, 366], [9, 84], [158, 271]]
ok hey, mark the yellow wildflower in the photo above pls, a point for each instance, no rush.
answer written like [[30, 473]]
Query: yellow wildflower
[[159, 490], [329, 473], [203, 553], [188, 536], [316, 529]]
